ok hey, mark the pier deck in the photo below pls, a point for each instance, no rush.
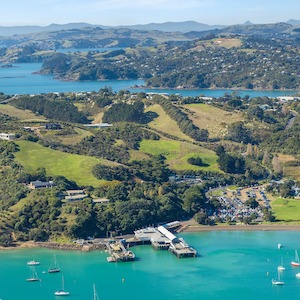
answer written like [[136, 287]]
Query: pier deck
[[162, 239], [118, 253]]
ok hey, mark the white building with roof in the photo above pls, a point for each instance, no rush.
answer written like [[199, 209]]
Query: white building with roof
[[7, 136]]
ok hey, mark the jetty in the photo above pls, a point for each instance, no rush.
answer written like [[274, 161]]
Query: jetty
[[162, 239], [118, 252]]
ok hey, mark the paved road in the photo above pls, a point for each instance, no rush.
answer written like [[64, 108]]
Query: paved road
[[291, 120]]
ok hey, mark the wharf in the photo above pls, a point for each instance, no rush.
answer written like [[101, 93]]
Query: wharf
[[162, 239], [118, 253]]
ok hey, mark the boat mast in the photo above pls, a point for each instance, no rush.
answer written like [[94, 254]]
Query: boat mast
[[95, 292]]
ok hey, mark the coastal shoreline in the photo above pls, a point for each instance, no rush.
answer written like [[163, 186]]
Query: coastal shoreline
[[56, 246], [237, 89], [188, 227], [259, 227]]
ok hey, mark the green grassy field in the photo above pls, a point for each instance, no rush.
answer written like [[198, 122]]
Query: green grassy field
[[165, 124], [74, 167], [214, 119], [73, 139], [292, 172], [232, 188], [177, 154], [286, 209], [138, 155], [22, 114]]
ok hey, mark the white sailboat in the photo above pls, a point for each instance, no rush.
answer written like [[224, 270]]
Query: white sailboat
[[281, 267], [296, 262], [278, 281], [54, 268], [33, 263], [62, 292], [95, 293], [34, 277]]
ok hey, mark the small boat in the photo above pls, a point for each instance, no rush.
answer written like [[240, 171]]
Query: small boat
[[95, 293], [277, 281], [33, 263], [54, 268], [296, 262], [281, 267], [34, 277], [62, 292], [279, 246]]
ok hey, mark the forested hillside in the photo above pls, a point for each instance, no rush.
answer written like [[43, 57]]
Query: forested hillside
[[145, 174], [231, 62]]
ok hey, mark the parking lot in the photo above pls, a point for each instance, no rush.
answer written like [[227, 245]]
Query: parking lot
[[234, 207]]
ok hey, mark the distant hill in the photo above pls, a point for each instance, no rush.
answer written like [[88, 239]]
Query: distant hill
[[293, 22], [166, 27], [176, 26], [172, 27], [277, 29], [12, 30], [248, 29]]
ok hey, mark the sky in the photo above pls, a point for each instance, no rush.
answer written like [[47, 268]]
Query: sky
[[132, 12]]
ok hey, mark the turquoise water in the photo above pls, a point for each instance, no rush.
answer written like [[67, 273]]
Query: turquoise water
[[20, 80], [231, 265]]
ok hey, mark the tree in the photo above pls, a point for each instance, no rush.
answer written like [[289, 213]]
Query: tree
[[220, 150], [6, 239], [285, 109], [232, 164], [277, 167], [252, 203], [249, 151], [237, 132], [122, 112], [197, 161], [266, 158], [255, 112], [201, 218], [194, 199], [268, 215]]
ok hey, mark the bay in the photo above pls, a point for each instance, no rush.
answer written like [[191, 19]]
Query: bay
[[231, 265], [20, 79]]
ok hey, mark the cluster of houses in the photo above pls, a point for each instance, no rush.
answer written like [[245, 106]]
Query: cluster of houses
[[68, 195]]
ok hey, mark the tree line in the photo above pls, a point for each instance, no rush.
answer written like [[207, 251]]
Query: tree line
[[51, 109], [182, 120]]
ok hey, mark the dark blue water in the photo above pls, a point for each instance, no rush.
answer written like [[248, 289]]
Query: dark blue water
[[20, 80], [66, 50], [231, 266]]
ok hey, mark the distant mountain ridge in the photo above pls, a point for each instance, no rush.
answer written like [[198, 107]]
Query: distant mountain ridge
[[293, 22], [195, 28], [12, 30], [176, 26], [165, 27]]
